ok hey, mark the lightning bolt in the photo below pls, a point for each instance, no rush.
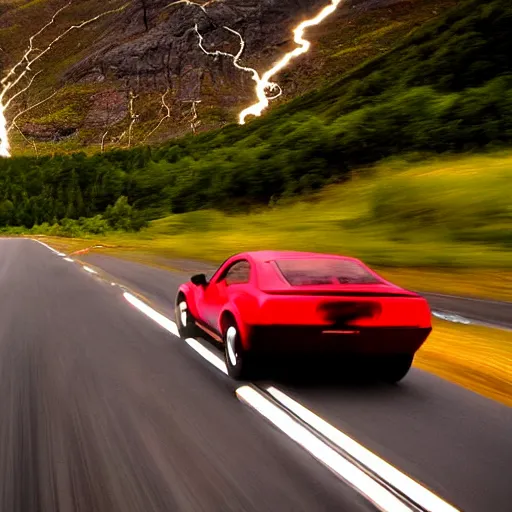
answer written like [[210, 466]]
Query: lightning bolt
[[264, 84], [234, 58], [271, 86], [4, 139], [23, 67]]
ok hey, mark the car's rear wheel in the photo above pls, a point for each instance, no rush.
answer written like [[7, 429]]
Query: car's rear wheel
[[395, 368], [238, 361], [184, 319]]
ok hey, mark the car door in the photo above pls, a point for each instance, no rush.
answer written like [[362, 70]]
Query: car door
[[218, 292]]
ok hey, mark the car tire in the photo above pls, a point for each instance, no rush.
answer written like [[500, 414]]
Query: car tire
[[238, 361], [184, 320], [395, 368]]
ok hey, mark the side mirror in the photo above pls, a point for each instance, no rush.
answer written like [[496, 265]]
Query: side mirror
[[199, 280]]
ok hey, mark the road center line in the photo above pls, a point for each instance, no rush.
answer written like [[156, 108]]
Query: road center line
[[343, 468], [406, 485]]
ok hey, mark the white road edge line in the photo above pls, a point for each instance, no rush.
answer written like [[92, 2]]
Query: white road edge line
[[160, 319], [171, 326], [347, 471], [208, 355], [90, 270], [409, 487], [69, 259]]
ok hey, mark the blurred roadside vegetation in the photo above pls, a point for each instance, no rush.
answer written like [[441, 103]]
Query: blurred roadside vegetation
[[454, 239], [472, 356]]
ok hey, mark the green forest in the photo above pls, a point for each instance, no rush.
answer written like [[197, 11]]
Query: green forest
[[446, 89]]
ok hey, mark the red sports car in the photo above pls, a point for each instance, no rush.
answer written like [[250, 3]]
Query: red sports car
[[289, 302]]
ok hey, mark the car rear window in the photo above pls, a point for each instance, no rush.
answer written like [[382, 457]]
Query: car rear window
[[308, 272]]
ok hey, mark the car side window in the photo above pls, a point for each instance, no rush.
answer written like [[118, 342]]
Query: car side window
[[239, 273]]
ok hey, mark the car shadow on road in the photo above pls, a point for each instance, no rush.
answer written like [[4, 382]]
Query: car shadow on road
[[350, 373]]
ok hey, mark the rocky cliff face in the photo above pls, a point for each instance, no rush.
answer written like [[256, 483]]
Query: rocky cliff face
[[154, 45]]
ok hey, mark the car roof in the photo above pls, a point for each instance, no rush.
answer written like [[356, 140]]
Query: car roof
[[268, 277], [264, 256]]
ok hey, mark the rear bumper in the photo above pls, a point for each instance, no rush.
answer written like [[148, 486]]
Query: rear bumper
[[319, 340]]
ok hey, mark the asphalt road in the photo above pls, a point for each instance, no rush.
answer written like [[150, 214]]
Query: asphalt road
[[454, 441], [103, 410], [480, 311]]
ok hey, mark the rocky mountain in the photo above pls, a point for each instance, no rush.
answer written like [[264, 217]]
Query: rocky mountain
[[140, 75]]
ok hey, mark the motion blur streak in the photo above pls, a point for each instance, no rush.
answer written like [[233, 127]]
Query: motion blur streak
[[377, 494], [264, 84], [161, 320], [391, 475]]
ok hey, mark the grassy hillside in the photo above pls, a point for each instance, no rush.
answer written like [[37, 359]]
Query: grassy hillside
[[444, 213], [347, 40]]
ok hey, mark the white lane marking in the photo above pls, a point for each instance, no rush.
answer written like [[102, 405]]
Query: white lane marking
[[69, 259], [171, 326], [160, 319], [90, 270], [386, 471], [210, 356], [354, 476], [61, 254], [336, 462]]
